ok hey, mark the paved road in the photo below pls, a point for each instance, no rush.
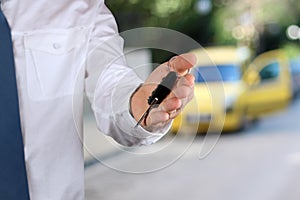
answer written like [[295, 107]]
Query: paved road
[[262, 163]]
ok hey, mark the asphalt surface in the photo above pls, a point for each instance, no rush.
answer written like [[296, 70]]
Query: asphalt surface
[[261, 163]]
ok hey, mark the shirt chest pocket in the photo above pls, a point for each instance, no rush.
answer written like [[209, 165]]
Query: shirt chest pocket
[[53, 61]]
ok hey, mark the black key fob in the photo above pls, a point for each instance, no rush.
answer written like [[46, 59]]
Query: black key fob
[[163, 89], [159, 94]]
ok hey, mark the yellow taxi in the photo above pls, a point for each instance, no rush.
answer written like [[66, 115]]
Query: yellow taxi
[[230, 92]]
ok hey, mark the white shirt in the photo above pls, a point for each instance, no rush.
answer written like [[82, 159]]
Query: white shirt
[[64, 49]]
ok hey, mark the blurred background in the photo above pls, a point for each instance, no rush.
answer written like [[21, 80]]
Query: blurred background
[[262, 25], [239, 137]]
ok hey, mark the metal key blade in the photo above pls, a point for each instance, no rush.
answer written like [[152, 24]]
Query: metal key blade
[[146, 113]]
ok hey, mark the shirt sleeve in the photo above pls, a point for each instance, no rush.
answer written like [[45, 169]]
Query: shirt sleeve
[[109, 84]]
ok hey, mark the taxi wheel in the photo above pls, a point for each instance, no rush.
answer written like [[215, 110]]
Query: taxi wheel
[[246, 123]]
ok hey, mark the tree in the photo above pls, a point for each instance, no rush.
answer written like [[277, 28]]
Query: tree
[[173, 14], [260, 24]]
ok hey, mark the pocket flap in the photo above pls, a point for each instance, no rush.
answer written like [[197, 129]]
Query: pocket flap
[[55, 43]]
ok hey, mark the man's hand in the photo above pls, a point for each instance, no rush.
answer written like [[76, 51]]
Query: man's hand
[[181, 94]]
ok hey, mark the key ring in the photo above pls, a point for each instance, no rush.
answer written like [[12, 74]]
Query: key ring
[[169, 67]]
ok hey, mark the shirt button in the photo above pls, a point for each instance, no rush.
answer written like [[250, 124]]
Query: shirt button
[[56, 46]]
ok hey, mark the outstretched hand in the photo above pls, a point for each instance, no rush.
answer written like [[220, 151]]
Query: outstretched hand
[[171, 107]]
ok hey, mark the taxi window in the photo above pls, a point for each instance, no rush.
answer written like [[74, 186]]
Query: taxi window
[[217, 73], [270, 71]]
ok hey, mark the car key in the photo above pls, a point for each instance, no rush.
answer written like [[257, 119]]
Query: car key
[[160, 93]]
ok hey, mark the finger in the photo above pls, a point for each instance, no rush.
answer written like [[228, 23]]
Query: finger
[[157, 116], [188, 80], [174, 114], [184, 86], [182, 92], [185, 101], [182, 63], [171, 104], [163, 113]]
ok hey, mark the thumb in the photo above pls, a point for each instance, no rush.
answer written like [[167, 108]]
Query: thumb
[[182, 63]]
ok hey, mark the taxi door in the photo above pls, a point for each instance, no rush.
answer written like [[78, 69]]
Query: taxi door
[[269, 84]]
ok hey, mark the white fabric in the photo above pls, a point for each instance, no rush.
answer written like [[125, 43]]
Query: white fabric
[[63, 48]]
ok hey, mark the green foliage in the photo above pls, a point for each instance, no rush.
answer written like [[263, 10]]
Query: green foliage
[[257, 23], [179, 15], [245, 21], [150, 12], [292, 50]]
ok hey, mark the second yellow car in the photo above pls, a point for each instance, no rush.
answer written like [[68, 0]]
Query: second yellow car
[[230, 92]]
